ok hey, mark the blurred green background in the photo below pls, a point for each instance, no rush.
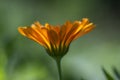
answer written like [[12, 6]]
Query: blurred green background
[[23, 59]]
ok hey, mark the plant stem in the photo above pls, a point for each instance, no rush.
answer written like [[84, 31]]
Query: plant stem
[[58, 62]]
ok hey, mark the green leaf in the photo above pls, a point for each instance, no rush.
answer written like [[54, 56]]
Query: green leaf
[[107, 75], [117, 74]]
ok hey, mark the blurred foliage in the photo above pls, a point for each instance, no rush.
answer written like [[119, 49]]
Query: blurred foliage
[[109, 77], [23, 59], [3, 60]]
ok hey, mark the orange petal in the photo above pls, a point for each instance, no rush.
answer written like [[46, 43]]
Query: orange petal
[[53, 37], [71, 32], [79, 30], [32, 34], [85, 30], [37, 24], [48, 26], [84, 21], [21, 30], [40, 30], [64, 32], [56, 29]]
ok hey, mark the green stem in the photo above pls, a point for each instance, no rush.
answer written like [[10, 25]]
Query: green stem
[[58, 61]]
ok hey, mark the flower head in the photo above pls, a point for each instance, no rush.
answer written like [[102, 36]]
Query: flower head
[[56, 39]]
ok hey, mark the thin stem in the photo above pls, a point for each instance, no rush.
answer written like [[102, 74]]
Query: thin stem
[[58, 62]]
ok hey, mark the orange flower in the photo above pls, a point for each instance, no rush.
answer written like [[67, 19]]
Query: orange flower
[[56, 39]]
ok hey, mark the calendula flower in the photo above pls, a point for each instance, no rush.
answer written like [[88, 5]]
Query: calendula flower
[[56, 39]]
